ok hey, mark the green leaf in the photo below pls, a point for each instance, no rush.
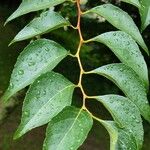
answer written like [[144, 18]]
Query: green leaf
[[68, 130], [133, 2], [145, 13], [120, 106], [126, 49], [38, 57], [28, 6], [126, 79], [121, 20], [126, 140], [113, 133], [47, 22], [120, 138], [47, 96], [144, 8]]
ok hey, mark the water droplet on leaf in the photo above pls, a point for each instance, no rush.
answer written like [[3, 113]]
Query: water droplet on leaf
[[31, 63], [20, 72]]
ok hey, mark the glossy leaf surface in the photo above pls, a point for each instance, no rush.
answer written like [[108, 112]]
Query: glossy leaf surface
[[47, 22], [126, 49], [47, 96], [126, 79], [28, 6], [68, 130], [125, 114], [121, 20], [120, 138], [37, 58], [145, 13]]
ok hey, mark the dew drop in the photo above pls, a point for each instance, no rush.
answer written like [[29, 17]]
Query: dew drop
[[38, 92], [121, 69], [78, 141], [31, 63], [44, 92], [44, 146], [11, 85], [130, 131], [20, 72], [122, 103], [71, 148], [47, 49], [137, 121], [133, 117], [26, 113], [146, 102], [114, 34], [80, 125], [38, 81], [128, 43], [123, 146]]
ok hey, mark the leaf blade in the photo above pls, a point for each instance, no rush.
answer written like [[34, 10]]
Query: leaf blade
[[118, 18], [126, 49], [120, 138], [126, 79], [120, 106], [145, 13], [66, 128], [43, 101], [30, 6], [47, 22], [38, 57]]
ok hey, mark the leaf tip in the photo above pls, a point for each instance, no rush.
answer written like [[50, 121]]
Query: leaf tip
[[145, 48], [12, 42], [16, 136], [5, 23], [147, 51], [143, 27]]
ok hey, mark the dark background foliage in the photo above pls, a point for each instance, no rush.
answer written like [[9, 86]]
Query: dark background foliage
[[93, 55]]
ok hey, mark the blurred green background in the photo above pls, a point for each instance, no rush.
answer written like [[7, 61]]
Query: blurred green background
[[93, 55]]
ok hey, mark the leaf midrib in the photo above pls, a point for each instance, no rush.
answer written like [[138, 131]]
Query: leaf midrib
[[69, 128], [34, 116], [39, 73]]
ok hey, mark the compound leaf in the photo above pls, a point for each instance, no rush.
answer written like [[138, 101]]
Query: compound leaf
[[68, 130], [38, 57], [28, 6], [120, 106], [47, 96], [47, 22], [126, 79], [126, 49], [121, 20]]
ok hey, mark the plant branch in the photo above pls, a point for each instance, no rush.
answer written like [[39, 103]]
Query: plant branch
[[78, 51], [77, 55], [94, 117]]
